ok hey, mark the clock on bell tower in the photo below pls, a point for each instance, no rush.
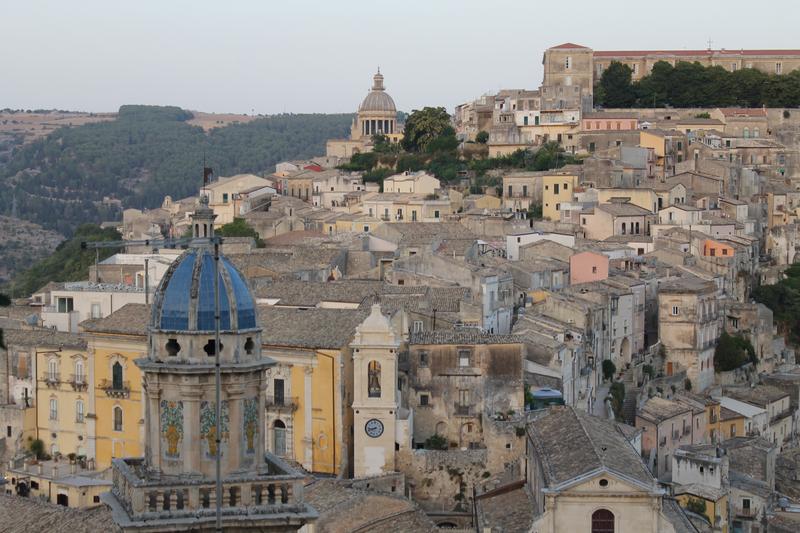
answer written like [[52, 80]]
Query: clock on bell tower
[[374, 395]]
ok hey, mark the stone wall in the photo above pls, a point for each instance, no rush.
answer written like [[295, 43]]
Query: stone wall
[[443, 480]]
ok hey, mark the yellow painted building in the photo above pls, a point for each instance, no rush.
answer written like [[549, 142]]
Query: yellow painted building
[[731, 424], [116, 410], [63, 397], [62, 483], [715, 506], [556, 189], [309, 391]]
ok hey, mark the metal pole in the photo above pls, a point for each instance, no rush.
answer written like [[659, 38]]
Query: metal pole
[[146, 281], [217, 380]]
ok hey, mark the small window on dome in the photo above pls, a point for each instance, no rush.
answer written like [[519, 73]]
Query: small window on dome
[[249, 345], [209, 348], [173, 347]]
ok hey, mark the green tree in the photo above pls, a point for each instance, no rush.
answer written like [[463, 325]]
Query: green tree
[[609, 368], [615, 83], [732, 352], [482, 137], [381, 144], [36, 447], [423, 126], [240, 228], [617, 393]]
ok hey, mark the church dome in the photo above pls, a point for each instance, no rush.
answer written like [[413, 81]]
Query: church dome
[[184, 300], [378, 100]]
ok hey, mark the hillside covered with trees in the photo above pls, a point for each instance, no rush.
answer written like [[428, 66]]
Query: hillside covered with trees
[[694, 85], [146, 153]]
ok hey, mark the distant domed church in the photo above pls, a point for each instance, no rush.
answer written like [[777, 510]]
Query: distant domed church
[[377, 114]]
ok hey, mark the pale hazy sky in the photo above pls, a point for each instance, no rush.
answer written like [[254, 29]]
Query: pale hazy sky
[[319, 56]]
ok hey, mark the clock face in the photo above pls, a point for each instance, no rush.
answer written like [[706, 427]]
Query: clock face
[[374, 428]]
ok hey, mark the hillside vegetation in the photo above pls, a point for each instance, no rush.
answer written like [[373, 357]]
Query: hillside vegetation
[[69, 262], [60, 181]]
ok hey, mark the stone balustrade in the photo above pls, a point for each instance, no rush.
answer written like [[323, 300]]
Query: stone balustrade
[[153, 497]]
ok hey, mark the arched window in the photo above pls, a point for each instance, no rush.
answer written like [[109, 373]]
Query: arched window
[[79, 411], [79, 371], [117, 418], [602, 521], [756, 132], [374, 379], [746, 132], [279, 439], [116, 376], [52, 369]]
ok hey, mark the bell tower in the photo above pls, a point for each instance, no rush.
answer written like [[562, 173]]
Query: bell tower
[[375, 400]]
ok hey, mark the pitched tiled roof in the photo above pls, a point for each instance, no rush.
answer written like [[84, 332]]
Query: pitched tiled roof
[[130, 319], [344, 508], [572, 444], [309, 328], [43, 337], [658, 409], [32, 514]]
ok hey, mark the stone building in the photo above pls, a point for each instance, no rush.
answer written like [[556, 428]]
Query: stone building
[[377, 115], [456, 380], [175, 480], [689, 326], [667, 426], [584, 475]]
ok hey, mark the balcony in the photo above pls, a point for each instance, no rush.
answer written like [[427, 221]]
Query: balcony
[[780, 416], [78, 382], [281, 403], [52, 380], [116, 390], [745, 512], [463, 410]]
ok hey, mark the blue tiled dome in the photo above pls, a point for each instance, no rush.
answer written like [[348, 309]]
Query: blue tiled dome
[[184, 300]]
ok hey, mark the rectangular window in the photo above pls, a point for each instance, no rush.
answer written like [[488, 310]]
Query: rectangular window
[[555, 188], [53, 409], [224, 198], [509, 190], [436, 214], [65, 305], [525, 191], [594, 270], [674, 310], [424, 399], [463, 358], [8, 431], [96, 311], [366, 229], [778, 68], [463, 397], [423, 359], [418, 326]]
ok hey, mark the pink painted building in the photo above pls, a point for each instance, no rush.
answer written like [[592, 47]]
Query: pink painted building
[[586, 267]]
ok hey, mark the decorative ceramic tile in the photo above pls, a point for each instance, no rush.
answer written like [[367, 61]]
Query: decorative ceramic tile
[[208, 427], [171, 428]]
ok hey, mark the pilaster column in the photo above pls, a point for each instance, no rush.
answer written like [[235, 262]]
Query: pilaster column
[[308, 438], [191, 445], [235, 397], [153, 392]]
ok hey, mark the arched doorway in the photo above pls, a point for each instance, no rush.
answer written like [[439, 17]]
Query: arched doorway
[[602, 521], [625, 350], [279, 438]]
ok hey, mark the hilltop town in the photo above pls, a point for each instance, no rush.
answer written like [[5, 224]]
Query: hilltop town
[[535, 312]]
